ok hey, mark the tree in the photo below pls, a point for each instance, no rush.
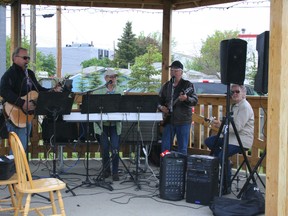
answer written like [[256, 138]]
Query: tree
[[144, 75], [46, 63], [127, 49], [209, 60], [43, 62], [105, 62], [82, 83], [93, 80], [143, 42]]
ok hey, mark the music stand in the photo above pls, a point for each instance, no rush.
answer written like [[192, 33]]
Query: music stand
[[97, 103], [137, 104], [55, 103]]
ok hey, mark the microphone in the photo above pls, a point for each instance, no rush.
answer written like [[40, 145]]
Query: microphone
[[172, 80], [26, 70], [109, 82]]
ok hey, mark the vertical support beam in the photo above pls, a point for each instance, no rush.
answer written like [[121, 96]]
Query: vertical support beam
[[33, 36], [2, 39], [277, 139], [15, 25], [59, 42], [166, 40]]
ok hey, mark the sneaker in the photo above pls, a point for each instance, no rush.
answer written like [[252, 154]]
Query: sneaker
[[115, 177]]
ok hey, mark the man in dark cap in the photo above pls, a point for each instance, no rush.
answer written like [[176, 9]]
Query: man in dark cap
[[177, 97]]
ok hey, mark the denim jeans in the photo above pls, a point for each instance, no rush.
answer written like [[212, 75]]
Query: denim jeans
[[21, 132], [218, 151], [110, 144], [182, 133]]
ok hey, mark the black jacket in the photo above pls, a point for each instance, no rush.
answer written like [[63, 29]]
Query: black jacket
[[182, 110], [13, 85]]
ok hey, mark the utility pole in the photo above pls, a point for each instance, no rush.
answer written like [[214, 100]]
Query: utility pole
[[33, 37], [59, 42]]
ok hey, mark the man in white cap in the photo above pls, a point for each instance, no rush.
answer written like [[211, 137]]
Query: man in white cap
[[110, 129], [177, 97]]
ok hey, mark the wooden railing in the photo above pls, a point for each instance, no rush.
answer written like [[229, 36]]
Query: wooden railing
[[208, 105]]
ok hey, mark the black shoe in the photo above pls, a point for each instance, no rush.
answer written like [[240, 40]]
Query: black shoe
[[106, 174], [226, 191], [115, 177]]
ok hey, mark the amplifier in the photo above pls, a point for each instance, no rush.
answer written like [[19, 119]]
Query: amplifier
[[7, 167], [172, 176], [202, 179]]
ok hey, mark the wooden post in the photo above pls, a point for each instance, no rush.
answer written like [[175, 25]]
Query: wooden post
[[59, 42], [166, 41], [15, 25], [277, 139]]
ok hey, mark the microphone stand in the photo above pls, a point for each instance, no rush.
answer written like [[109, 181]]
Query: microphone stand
[[29, 87], [27, 101], [171, 110], [87, 180]]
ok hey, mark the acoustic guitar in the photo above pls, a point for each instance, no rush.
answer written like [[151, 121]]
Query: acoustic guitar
[[16, 115]]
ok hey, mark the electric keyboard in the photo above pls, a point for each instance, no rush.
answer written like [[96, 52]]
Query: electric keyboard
[[94, 117]]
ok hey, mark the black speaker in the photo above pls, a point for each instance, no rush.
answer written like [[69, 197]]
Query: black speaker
[[233, 61], [172, 176], [202, 179], [261, 78]]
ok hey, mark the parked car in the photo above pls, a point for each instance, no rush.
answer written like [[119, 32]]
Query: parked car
[[206, 87]]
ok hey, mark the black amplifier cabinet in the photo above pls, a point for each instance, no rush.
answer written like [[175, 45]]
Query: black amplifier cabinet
[[202, 179], [172, 176]]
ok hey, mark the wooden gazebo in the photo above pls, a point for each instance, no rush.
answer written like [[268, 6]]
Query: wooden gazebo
[[277, 137]]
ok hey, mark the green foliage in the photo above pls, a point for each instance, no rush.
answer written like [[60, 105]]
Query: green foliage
[[93, 80], [25, 44], [251, 69], [143, 42], [105, 62], [43, 62], [81, 85], [127, 51], [144, 75], [209, 59], [46, 63]]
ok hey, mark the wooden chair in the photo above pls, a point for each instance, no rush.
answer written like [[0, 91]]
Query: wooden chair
[[10, 183], [28, 186]]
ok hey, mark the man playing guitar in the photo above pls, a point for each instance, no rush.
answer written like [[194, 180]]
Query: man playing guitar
[[177, 97], [19, 89]]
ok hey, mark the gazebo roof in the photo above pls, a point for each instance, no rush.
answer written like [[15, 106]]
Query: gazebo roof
[[143, 4]]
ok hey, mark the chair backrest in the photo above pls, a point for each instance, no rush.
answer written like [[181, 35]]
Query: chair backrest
[[22, 167]]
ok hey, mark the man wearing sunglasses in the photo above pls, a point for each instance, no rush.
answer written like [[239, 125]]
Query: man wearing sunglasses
[[16, 83], [243, 117]]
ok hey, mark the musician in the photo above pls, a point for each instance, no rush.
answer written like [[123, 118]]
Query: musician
[[16, 83], [243, 117], [110, 129], [177, 97]]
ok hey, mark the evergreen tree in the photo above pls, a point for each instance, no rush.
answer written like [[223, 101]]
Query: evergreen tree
[[144, 75], [127, 49]]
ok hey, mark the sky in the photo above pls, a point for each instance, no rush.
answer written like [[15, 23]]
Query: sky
[[104, 26]]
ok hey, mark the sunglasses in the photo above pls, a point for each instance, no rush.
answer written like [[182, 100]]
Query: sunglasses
[[112, 77], [236, 91], [24, 57]]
